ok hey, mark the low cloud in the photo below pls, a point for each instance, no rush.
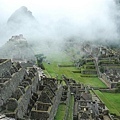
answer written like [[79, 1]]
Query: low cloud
[[57, 21]]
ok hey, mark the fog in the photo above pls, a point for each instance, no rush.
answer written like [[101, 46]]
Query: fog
[[59, 20]]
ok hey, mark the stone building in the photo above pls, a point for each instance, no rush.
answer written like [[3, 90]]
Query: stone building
[[45, 107], [109, 67], [87, 106], [17, 86], [25, 93], [111, 77]]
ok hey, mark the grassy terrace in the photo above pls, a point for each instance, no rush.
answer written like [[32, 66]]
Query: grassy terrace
[[60, 112], [70, 109], [111, 100], [54, 70]]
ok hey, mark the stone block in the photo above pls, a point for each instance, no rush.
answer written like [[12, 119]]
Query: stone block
[[12, 104]]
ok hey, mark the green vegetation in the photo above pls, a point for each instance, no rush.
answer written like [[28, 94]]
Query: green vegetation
[[92, 81], [90, 63], [60, 112], [70, 109], [46, 73], [111, 100], [40, 58], [89, 75], [55, 71], [83, 69], [88, 69]]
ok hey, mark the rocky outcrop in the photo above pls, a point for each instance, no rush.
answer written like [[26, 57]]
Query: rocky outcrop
[[22, 17], [17, 49]]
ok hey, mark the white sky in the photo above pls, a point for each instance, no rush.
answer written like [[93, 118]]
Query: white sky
[[55, 7], [91, 19]]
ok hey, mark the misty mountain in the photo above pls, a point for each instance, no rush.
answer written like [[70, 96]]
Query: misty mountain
[[94, 20], [17, 49], [22, 18]]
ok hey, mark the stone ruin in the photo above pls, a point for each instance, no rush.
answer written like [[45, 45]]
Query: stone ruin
[[27, 95], [106, 62], [87, 106], [16, 88], [111, 77], [24, 94], [110, 64]]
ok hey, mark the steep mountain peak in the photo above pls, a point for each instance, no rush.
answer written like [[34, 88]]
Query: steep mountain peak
[[21, 16], [22, 21]]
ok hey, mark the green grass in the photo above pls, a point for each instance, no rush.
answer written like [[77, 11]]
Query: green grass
[[46, 73], [89, 63], [56, 71], [70, 109], [84, 69], [111, 100], [60, 112], [62, 59], [89, 75], [92, 81]]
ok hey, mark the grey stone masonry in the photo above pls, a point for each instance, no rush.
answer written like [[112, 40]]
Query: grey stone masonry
[[17, 90], [5, 65], [9, 86]]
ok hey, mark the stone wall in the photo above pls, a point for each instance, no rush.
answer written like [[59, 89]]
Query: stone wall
[[109, 83], [23, 102], [35, 82], [16, 92], [50, 95], [11, 85], [56, 103], [104, 77], [67, 104], [5, 66]]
